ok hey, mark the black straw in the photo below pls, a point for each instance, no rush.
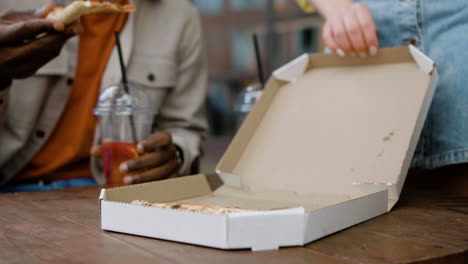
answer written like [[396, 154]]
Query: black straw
[[122, 64], [125, 82], [259, 60]]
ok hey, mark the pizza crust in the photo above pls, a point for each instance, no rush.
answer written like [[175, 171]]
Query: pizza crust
[[190, 207], [75, 10]]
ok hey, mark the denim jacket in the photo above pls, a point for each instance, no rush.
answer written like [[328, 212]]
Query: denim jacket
[[439, 29]]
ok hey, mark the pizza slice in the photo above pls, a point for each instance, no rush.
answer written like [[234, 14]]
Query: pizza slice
[[75, 10], [190, 207]]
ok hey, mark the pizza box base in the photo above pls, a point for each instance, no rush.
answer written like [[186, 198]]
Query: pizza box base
[[256, 230], [327, 146]]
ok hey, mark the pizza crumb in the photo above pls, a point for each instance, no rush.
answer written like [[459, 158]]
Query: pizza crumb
[[189, 207]]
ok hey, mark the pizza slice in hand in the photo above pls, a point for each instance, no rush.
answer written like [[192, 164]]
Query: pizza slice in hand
[[75, 10]]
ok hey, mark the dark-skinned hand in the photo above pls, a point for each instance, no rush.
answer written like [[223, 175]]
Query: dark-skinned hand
[[28, 41], [157, 160]]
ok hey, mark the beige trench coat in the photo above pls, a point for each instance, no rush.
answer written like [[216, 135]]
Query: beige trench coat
[[162, 45]]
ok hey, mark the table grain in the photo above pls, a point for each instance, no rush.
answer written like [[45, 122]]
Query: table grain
[[427, 226]]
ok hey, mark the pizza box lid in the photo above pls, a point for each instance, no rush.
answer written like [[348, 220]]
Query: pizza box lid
[[334, 125]]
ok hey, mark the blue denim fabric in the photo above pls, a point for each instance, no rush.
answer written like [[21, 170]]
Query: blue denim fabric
[[440, 29], [56, 185]]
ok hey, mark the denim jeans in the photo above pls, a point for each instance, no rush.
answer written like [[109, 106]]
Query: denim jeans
[[440, 29], [55, 185]]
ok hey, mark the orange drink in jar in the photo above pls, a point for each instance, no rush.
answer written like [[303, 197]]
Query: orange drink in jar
[[113, 154], [125, 117]]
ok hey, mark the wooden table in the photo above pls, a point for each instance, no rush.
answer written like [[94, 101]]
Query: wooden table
[[63, 227]]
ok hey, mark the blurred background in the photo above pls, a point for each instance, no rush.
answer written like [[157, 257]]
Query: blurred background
[[284, 32]]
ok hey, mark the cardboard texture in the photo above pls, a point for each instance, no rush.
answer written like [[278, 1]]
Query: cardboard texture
[[327, 146]]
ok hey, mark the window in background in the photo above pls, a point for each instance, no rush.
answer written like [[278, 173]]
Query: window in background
[[241, 51], [306, 40], [280, 6], [209, 7], [243, 5], [228, 25], [220, 109]]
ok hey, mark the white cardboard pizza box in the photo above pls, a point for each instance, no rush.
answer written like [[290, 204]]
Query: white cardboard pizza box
[[328, 146]]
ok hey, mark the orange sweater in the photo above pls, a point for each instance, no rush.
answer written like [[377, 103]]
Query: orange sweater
[[66, 154]]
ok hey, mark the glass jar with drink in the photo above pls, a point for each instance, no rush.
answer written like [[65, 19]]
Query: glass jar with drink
[[125, 118]]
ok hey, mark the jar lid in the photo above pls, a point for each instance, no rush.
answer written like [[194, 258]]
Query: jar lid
[[114, 100], [249, 96]]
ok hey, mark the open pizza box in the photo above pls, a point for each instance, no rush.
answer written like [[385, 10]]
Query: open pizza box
[[328, 146]]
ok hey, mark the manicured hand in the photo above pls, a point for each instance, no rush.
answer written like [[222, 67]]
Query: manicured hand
[[158, 160], [349, 28], [28, 41]]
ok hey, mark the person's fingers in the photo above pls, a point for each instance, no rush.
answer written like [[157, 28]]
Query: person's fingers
[[76, 28], [353, 29], [155, 141], [96, 151], [149, 160], [51, 45], [27, 70], [369, 29], [28, 58], [13, 16], [174, 175], [162, 172], [340, 36], [43, 11], [330, 41], [58, 25], [24, 31]]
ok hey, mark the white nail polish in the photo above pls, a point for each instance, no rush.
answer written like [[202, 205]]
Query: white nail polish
[[127, 180], [140, 148], [123, 168], [373, 50], [340, 52]]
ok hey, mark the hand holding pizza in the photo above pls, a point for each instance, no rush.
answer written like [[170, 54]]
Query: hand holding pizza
[[28, 41]]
